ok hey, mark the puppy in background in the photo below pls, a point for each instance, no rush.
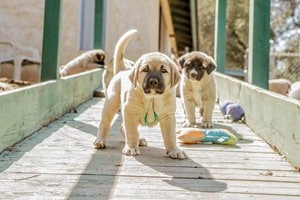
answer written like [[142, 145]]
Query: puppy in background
[[197, 87], [295, 91], [118, 62], [280, 86], [86, 61], [146, 96]]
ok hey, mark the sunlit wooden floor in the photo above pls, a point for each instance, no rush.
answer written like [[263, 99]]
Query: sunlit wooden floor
[[59, 162]]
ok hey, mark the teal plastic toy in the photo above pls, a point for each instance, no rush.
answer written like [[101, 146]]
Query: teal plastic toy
[[214, 136]]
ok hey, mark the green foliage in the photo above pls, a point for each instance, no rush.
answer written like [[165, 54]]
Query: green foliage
[[237, 30]]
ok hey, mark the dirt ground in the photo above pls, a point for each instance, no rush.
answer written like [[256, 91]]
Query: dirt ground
[[9, 84]]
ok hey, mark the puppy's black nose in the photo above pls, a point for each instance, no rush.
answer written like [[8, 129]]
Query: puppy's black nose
[[153, 82]]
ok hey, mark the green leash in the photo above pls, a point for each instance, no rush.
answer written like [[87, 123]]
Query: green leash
[[156, 118]]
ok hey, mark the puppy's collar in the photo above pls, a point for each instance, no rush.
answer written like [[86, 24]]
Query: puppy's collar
[[156, 118]]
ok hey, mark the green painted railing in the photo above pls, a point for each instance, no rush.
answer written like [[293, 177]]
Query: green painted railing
[[259, 34], [51, 36]]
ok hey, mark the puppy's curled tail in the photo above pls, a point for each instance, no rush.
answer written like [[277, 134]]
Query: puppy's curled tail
[[118, 60]]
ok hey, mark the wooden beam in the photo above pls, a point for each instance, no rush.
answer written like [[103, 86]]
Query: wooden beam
[[166, 13], [51, 40], [259, 46], [194, 22], [99, 24], [220, 35]]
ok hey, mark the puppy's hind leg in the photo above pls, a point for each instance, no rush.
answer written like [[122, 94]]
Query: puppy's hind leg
[[111, 106]]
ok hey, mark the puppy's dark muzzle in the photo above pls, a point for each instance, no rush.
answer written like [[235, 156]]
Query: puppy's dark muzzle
[[101, 64], [153, 82]]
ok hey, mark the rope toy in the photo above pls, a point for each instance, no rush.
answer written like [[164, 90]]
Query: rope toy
[[156, 118]]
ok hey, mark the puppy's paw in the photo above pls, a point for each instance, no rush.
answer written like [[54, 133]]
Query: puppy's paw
[[177, 154], [99, 144], [131, 151], [188, 124], [143, 142], [206, 124]]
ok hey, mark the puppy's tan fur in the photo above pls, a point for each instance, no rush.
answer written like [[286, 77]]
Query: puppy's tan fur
[[146, 90], [86, 61], [197, 87], [280, 86]]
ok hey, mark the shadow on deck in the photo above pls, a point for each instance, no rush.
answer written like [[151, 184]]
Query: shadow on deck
[[59, 162]]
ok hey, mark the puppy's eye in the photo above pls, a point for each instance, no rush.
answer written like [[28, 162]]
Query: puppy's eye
[[188, 65], [163, 70], [146, 69]]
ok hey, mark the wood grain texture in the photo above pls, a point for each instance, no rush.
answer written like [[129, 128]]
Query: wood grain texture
[[59, 162], [272, 116]]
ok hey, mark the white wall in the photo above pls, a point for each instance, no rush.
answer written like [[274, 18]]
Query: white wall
[[142, 15]]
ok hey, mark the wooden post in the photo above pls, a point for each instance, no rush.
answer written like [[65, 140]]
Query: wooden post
[[98, 24], [259, 46], [220, 35], [51, 40], [194, 21]]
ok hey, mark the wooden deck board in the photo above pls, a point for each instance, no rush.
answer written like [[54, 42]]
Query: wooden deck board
[[59, 162]]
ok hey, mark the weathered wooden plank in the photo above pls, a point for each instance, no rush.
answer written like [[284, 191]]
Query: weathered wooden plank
[[264, 114], [62, 186], [60, 162], [209, 185]]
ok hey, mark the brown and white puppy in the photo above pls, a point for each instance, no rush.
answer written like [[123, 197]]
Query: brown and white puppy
[[118, 62], [280, 86], [86, 61], [146, 96], [197, 87]]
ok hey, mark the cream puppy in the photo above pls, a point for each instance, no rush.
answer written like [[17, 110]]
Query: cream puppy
[[86, 61], [146, 96]]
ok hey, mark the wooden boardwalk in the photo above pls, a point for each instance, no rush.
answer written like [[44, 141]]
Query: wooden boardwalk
[[59, 162]]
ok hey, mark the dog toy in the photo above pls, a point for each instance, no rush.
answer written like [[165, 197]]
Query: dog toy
[[232, 111], [214, 136]]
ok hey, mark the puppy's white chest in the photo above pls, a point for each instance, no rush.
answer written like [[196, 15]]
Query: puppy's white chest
[[196, 93]]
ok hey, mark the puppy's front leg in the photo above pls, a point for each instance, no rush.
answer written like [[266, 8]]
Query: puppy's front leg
[[131, 133], [208, 108], [189, 108], [167, 125]]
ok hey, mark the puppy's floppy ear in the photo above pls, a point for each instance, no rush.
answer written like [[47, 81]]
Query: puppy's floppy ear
[[181, 60], [174, 75], [100, 58], [211, 66], [134, 74]]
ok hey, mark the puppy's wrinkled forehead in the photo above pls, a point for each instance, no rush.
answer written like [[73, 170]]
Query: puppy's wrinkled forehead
[[197, 59], [154, 61]]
